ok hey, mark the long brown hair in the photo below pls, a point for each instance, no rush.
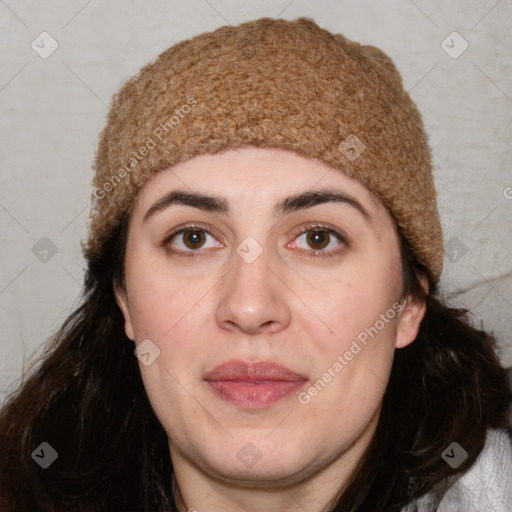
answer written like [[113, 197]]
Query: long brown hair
[[85, 397]]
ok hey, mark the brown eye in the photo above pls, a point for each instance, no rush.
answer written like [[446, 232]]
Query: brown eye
[[318, 239], [193, 238]]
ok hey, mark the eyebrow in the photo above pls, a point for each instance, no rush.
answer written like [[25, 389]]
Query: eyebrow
[[219, 205]]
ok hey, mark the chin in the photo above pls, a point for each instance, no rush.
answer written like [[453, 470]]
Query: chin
[[250, 466]]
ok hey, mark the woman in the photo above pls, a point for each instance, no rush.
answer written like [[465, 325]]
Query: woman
[[261, 327]]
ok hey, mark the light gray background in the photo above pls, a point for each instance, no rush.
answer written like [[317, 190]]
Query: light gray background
[[53, 109]]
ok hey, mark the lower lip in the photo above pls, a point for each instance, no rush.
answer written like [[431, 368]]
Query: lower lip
[[257, 395]]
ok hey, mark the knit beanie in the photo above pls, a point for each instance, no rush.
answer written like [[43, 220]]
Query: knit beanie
[[273, 84]]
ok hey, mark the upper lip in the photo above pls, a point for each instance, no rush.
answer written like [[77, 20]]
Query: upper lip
[[252, 372]]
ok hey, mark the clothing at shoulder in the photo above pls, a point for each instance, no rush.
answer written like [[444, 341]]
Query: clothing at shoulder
[[487, 485]]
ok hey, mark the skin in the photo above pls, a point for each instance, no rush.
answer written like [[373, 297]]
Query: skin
[[301, 312]]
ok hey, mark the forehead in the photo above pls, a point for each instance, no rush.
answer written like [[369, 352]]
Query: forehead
[[254, 175]]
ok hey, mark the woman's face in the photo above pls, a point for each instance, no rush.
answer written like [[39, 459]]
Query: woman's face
[[275, 310]]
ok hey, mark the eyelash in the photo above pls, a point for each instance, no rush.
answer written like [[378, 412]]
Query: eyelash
[[314, 226]]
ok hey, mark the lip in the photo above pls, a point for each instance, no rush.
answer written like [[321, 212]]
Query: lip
[[253, 385]]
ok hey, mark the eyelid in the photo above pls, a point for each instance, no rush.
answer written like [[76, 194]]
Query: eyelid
[[321, 226]]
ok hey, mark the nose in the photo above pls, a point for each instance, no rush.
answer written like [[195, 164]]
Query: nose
[[254, 299]]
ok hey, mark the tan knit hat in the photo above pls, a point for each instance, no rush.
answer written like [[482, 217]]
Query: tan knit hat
[[276, 84]]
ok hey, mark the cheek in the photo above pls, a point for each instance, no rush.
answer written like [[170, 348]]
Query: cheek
[[360, 301], [163, 303], [361, 310], [351, 371]]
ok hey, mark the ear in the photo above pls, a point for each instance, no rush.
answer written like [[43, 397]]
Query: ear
[[413, 311], [122, 302]]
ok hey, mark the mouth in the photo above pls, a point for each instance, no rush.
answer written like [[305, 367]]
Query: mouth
[[253, 385]]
